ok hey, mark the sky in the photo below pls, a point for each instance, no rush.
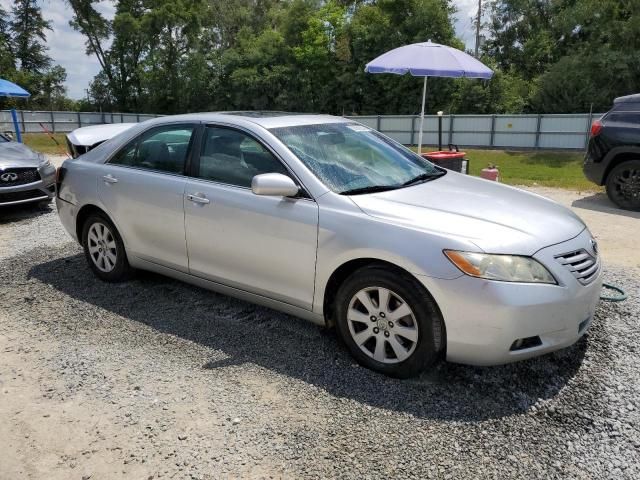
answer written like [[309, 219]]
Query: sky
[[67, 48]]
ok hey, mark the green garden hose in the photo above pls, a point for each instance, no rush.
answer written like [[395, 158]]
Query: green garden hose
[[619, 298]]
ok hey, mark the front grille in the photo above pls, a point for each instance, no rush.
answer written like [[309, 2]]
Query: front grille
[[12, 177], [17, 196], [581, 264]]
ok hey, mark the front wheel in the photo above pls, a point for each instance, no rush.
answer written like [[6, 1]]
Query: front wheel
[[389, 322], [104, 249], [623, 185]]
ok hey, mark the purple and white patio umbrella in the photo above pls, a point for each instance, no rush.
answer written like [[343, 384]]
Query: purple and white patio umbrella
[[426, 60]]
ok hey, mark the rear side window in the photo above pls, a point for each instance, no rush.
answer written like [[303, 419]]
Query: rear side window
[[624, 117], [162, 149], [233, 157]]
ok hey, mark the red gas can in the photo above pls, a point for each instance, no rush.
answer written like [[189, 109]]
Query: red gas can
[[491, 173]]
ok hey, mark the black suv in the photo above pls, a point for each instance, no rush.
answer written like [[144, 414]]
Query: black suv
[[613, 154]]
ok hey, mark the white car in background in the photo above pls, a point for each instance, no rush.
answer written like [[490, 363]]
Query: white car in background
[[83, 139]]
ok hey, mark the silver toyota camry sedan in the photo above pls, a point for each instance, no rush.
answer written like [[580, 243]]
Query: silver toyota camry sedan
[[331, 221]]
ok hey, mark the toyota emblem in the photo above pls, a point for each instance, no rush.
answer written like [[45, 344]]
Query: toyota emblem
[[594, 246], [9, 177]]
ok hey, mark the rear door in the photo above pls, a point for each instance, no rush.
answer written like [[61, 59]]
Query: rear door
[[261, 244], [142, 187]]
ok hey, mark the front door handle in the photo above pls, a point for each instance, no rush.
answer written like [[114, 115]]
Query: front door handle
[[198, 198], [109, 179]]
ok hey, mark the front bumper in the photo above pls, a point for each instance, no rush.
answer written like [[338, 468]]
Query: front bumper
[[485, 318], [31, 192]]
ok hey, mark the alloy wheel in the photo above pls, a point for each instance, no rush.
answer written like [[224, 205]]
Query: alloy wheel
[[102, 247], [627, 185], [382, 324]]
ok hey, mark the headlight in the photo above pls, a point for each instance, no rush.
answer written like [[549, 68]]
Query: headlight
[[46, 169], [506, 268], [44, 162]]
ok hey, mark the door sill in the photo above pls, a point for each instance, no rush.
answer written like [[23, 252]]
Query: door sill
[[284, 307]]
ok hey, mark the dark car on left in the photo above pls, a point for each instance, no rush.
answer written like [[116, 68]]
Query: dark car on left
[[25, 176]]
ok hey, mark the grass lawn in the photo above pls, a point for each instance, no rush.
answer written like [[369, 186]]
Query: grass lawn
[[41, 142], [544, 168]]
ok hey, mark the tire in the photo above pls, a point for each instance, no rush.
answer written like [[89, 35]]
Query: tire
[[623, 185], [100, 235], [401, 340]]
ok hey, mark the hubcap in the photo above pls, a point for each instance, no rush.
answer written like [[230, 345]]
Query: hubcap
[[382, 324], [102, 247]]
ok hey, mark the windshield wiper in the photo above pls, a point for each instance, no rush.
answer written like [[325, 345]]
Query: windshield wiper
[[423, 177], [369, 189]]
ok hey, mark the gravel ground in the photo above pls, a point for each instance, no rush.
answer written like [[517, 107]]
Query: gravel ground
[[158, 379]]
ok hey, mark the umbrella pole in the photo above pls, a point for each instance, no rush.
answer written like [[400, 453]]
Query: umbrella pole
[[424, 98], [16, 125]]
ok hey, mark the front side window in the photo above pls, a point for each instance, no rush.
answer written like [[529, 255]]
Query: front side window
[[350, 158], [232, 157], [163, 149]]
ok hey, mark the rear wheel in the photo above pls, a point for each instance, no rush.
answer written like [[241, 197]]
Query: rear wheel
[[104, 249], [623, 185], [389, 322]]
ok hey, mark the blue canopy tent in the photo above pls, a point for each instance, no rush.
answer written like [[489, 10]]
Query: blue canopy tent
[[9, 89]]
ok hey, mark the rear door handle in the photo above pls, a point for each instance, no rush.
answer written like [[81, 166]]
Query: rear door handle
[[198, 198], [109, 179]]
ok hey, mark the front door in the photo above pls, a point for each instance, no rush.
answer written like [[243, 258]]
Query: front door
[[142, 188], [261, 244]]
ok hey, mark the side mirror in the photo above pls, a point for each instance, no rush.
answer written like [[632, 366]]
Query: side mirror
[[274, 184]]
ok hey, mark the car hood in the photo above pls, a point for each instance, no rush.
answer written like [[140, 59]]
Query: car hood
[[13, 154], [89, 136], [495, 217]]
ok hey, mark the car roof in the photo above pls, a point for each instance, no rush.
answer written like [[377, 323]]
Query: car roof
[[94, 134], [635, 98], [266, 119]]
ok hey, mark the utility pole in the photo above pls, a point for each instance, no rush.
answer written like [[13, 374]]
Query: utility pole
[[478, 20]]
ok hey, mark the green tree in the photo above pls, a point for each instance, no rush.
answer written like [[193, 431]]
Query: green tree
[[572, 53], [29, 36], [598, 43], [97, 31], [7, 59], [377, 27], [174, 30], [24, 58]]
